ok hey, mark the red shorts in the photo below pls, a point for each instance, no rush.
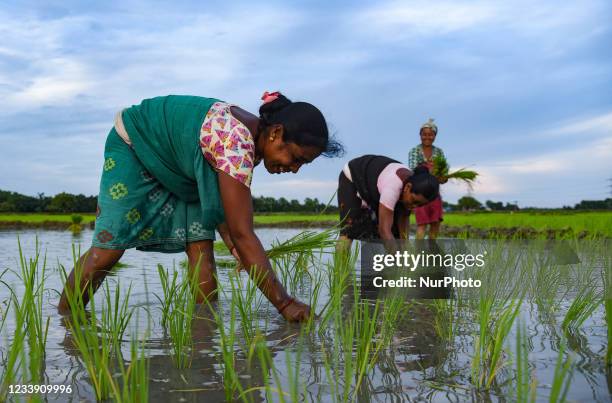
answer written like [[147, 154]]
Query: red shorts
[[430, 213]]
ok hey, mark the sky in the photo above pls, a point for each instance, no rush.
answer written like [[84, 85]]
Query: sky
[[520, 90]]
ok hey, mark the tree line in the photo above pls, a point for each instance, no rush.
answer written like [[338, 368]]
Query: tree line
[[13, 202]]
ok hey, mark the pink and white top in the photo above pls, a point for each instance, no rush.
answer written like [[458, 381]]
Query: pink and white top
[[389, 185], [227, 144]]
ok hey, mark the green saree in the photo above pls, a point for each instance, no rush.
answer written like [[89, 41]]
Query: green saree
[[159, 193]]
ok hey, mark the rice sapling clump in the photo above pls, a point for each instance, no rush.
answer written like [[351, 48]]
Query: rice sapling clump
[[441, 170], [76, 226]]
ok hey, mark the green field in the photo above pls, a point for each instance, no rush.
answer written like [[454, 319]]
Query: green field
[[40, 218], [262, 219], [592, 222]]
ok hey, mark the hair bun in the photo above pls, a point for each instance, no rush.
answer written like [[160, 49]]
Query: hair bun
[[268, 109], [420, 170]]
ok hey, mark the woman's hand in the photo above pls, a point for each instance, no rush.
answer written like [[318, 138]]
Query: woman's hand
[[296, 311], [442, 179], [236, 256]]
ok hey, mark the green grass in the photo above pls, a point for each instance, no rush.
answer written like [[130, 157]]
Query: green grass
[[272, 218], [592, 222], [40, 218], [281, 218]]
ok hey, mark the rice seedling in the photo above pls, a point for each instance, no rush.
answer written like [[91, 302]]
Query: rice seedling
[[4, 311], [116, 314], [247, 300], [180, 316], [135, 376], [588, 297], [169, 289], [291, 269], [26, 354], [441, 170], [608, 308], [303, 242], [15, 356], [267, 367], [359, 336], [227, 354], [317, 283], [295, 391], [328, 368], [494, 327], [98, 335], [525, 382], [374, 332], [33, 278], [562, 377], [365, 322], [96, 348], [293, 361], [75, 226], [445, 318], [581, 308], [292, 258], [341, 274], [607, 280]]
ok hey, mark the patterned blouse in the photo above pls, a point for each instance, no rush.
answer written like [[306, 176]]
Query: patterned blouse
[[227, 144], [416, 157]]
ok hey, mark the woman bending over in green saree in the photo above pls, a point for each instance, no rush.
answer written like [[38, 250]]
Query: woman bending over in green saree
[[178, 167]]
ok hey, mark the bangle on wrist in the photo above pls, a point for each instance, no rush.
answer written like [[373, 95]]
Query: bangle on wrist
[[288, 302]]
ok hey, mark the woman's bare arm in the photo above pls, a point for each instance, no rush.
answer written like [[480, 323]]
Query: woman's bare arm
[[238, 206]]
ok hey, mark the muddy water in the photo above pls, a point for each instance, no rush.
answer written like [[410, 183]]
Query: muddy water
[[419, 365]]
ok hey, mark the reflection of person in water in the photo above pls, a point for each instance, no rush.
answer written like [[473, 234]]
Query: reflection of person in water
[[375, 194]]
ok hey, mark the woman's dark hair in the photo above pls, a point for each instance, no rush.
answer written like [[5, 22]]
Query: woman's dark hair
[[424, 183], [303, 125]]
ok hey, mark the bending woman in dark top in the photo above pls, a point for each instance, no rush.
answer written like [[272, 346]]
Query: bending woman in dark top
[[375, 195]]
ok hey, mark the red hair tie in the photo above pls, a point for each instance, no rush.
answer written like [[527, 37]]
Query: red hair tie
[[269, 96]]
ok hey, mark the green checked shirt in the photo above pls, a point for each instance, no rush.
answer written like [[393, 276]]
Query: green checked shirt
[[416, 157]]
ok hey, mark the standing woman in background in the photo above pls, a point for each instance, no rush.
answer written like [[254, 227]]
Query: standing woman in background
[[423, 155]]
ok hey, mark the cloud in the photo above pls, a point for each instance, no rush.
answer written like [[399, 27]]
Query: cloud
[[601, 124], [396, 20], [54, 61], [498, 75], [57, 80], [553, 178]]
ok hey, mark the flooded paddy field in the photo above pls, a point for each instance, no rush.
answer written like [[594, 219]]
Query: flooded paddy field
[[537, 330]]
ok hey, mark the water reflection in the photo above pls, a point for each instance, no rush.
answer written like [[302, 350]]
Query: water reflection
[[428, 358]]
